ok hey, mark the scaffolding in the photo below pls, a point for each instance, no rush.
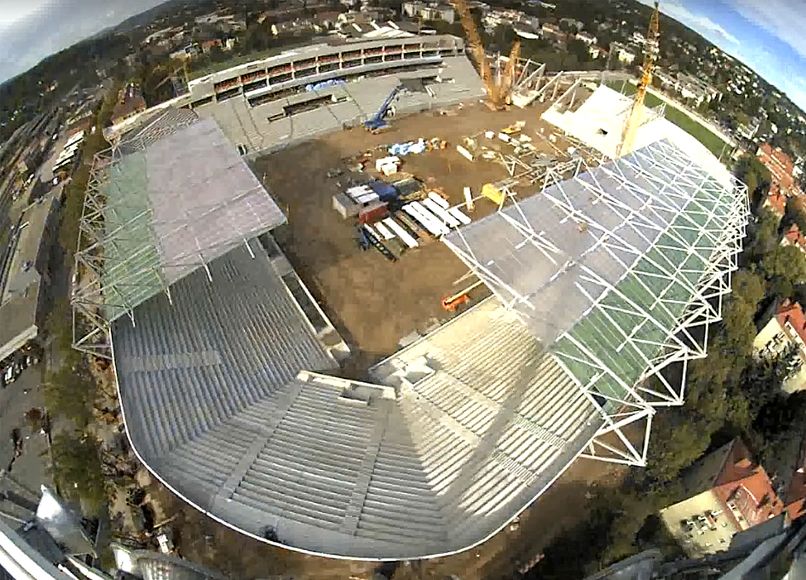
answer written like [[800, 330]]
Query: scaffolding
[[159, 205], [618, 271]]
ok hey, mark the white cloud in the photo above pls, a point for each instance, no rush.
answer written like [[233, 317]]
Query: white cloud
[[699, 22], [784, 19]]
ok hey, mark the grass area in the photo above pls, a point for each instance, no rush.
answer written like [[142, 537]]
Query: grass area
[[714, 144]]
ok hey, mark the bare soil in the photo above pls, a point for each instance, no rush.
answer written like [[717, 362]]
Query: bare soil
[[374, 302]]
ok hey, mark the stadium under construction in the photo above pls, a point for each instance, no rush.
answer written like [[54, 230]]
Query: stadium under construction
[[603, 280]]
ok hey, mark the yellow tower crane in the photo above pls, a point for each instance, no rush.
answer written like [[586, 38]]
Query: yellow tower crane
[[651, 50], [499, 90]]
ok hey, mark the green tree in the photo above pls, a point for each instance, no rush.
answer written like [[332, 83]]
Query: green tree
[[784, 268], [762, 237], [757, 177], [77, 470], [579, 49], [503, 37], [794, 214], [70, 391]]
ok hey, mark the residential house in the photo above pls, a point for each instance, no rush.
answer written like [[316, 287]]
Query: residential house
[[552, 32], [624, 54], [208, 45], [748, 130], [780, 165], [727, 492], [794, 237], [795, 489], [597, 52], [697, 90], [130, 102], [326, 19], [775, 201], [429, 11], [586, 37], [785, 330], [293, 27], [572, 24]]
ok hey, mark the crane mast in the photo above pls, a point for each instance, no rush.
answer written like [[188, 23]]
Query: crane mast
[[498, 89], [637, 112]]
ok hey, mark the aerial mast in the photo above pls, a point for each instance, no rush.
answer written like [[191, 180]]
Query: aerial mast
[[635, 117]]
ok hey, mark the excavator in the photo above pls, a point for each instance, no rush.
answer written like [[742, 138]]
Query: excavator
[[499, 87]]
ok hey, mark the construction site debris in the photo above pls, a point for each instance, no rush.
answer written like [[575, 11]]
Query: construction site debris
[[391, 160], [469, 205], [493, 193], [465, 153], [408, 147], [374, 212]]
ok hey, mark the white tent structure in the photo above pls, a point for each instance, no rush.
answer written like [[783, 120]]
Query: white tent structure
[[599, 121]]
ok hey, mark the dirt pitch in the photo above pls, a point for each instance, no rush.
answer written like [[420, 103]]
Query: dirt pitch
[[374, 302]]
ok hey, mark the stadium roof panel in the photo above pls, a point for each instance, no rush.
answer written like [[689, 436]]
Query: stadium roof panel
[[172, 197], [602, 267]]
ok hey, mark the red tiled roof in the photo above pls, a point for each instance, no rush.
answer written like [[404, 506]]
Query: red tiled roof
[[792, 313], [795, 496], [776, 200], [748, 486], [795, 499], [794, 236], [779, 163]]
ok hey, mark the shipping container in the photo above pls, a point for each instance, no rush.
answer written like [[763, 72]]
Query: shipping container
[[373, 212]]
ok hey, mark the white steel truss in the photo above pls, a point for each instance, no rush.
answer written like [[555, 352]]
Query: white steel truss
[[675, 248], [151, 216]]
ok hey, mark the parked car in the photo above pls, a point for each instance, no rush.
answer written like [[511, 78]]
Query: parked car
[[9, 376]]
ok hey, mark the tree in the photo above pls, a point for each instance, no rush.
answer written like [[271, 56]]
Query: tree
[[784, 268], [762, 237], [503, 37], [70, 391], [757, 177], [794, 214], [35, 419], [580, 49], [77, 470]]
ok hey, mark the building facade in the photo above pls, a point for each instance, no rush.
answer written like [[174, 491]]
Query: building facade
[[728, 493], [429, 11], [786, 330]]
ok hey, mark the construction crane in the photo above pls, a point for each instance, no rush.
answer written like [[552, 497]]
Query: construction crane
[[636, 115], [378, 121], [499, 89]]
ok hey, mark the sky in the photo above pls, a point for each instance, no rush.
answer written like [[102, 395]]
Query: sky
[[30, 30], [769, 36]]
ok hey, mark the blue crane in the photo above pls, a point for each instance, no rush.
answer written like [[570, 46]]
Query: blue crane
[[378, 122]]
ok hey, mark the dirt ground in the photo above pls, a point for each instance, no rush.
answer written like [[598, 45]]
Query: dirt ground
[[374, 302]]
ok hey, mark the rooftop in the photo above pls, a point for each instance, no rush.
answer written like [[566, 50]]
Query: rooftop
[[24, 265], [790, 315], [602, 267], [157, 224]]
